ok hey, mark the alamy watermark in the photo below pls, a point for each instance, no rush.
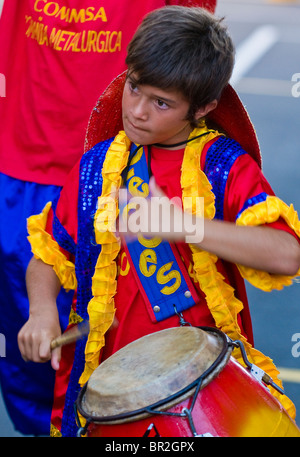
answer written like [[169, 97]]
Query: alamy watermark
[[2, 345], [296, 86], [154, 216], [296, 346], [2, 85]]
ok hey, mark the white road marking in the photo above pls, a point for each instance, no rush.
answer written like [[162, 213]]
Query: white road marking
[[250, 51], [265, 86], [289, 374]]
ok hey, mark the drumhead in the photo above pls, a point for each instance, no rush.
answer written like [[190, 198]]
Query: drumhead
[[153, 370]]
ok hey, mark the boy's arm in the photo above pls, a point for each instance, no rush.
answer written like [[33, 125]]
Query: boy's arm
[[260, 247], [43, 324], [51, 268]]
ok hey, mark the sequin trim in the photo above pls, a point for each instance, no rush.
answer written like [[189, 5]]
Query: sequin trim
[[90, 187], [60, 234], [253, 201], [219, 159]]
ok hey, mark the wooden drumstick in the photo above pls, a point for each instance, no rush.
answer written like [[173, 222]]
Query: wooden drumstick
[[71, 336]]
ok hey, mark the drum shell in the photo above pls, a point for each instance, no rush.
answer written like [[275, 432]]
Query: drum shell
[[234, 404]]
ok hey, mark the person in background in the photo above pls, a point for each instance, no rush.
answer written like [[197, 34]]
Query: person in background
[[56, 57]]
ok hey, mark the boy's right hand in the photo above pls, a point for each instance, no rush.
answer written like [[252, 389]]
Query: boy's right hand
[[35, 337]]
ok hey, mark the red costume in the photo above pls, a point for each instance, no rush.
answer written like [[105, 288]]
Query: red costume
[[238, 185]]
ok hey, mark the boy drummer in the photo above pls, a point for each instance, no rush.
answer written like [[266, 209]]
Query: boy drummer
[[179, 64]]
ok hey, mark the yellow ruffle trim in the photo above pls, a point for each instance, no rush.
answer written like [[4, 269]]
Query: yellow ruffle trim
[[194, 182], [45, 248], [54, 432], [265, 213], [101, 308], [74, 318]]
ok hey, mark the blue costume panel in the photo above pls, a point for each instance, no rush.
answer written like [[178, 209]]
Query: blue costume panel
[[27, 387]]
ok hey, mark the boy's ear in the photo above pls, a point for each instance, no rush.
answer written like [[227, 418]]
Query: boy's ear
[[204, 110]]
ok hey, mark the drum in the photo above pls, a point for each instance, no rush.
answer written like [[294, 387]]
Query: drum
[[179, 382]]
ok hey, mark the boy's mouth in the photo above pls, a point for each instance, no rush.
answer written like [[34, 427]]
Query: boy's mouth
[[134, 126]]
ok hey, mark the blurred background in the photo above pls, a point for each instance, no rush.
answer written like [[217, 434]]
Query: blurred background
[[267, 38]]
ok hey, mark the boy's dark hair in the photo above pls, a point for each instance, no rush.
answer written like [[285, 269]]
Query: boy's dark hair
[[184, 49]]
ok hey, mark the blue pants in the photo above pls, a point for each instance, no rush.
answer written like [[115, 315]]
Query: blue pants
[[27, 387]]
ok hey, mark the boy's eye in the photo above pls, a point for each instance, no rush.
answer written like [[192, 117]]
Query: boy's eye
[[161, 104], [132, 86]]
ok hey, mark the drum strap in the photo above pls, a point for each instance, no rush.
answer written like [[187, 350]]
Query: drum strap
[[157, 265]]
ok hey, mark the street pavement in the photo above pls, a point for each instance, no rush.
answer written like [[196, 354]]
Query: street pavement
[[267, 37]]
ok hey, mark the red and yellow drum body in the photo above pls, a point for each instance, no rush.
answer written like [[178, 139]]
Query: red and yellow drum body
[[180, 382]]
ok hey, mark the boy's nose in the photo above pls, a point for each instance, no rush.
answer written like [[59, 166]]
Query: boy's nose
[[139, 109]]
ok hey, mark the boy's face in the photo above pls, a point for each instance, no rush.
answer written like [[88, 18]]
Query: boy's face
[[152, 115]]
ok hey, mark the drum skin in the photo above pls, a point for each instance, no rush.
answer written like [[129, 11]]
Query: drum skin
[[234, 404]]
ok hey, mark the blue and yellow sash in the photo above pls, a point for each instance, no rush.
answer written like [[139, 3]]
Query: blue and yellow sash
[[162, 277]]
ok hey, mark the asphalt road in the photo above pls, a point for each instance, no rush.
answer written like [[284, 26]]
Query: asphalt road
[[267, 36]]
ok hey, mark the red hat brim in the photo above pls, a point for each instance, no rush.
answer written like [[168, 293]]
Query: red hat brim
[[230, 116]]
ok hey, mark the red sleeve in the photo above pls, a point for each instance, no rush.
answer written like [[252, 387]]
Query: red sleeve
[[66, 208], [246, 181]]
